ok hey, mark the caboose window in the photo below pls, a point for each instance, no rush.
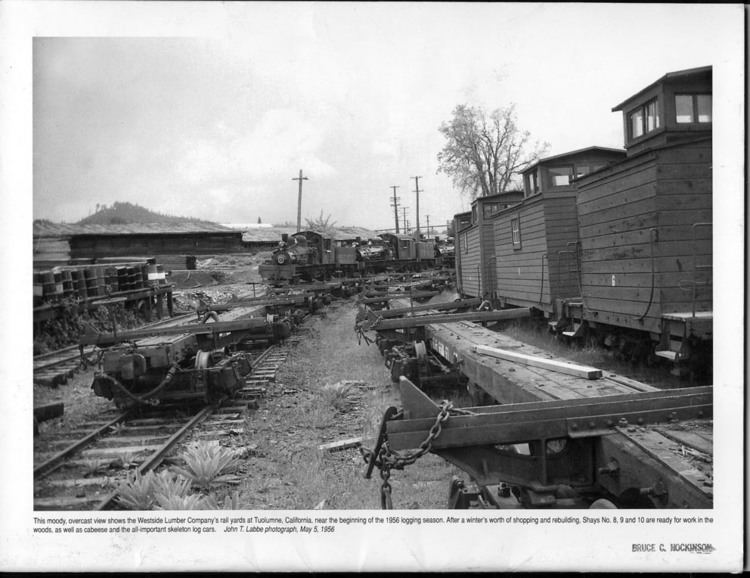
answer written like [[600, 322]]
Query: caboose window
[[683, 104], [515, 232], [652, 116], [692, 108], [560, 176], [644, 119], [703, 102], [636, 123]]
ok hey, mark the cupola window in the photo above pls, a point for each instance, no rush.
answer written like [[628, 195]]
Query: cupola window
[[691, 108], [644, 119]]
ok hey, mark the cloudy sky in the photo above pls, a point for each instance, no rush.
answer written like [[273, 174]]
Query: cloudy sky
[[213, 117]]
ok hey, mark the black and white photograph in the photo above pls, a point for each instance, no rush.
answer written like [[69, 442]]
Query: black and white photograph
[[354, 286]]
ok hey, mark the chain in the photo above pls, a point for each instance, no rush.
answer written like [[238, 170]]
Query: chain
[[388, 458]]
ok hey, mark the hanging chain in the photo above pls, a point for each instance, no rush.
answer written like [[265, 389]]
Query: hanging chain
[[388, 458]]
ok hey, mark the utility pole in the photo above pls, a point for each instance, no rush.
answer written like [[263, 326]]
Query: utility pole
[[404, 212], [416, 180], [299, 200], [394, 204], [429, 230]]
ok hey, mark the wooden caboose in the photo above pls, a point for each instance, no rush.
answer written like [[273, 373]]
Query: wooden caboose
[[645, 223], [534, 241], [475, 251]]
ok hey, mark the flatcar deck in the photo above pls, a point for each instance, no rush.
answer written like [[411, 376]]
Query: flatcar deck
[[671, 461]]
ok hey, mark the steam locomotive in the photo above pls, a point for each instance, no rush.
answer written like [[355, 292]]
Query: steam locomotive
[[310, 255]]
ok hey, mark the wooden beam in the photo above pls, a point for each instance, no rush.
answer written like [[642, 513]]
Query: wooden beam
[[401, 311], [251, 323], [341, 445], [49, 411], [533, 361], [421, 320], [390, 296]]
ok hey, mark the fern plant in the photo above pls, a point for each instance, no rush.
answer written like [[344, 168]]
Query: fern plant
[[208, 464]]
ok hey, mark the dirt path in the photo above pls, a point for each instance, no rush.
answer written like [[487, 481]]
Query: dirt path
[[306, 409]]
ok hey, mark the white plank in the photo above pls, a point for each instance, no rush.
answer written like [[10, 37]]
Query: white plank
[[550, 364]]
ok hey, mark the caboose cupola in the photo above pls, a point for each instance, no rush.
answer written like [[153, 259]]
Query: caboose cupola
[[676, 107]]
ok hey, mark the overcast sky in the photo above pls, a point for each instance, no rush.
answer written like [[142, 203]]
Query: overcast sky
[[216, 124]]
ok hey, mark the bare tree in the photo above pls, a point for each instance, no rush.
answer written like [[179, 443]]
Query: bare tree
[[320, 224], [485, 152]]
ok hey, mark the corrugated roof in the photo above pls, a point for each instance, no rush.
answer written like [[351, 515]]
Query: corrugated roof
[[66, 230]]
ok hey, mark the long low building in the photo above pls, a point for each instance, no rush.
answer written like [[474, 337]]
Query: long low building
[[56, 243]]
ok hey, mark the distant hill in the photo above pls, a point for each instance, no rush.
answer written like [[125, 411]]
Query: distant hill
[[127, 213]]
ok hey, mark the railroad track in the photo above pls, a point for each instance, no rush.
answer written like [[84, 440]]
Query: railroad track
[[56, 367], [81, 470]]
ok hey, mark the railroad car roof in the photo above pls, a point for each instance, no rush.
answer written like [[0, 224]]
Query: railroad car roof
[[574, 153], [669, 77]]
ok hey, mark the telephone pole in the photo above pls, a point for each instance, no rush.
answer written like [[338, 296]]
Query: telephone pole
[[300, 178], [394, 204], [429, 230], [405, 227], [416, 180]]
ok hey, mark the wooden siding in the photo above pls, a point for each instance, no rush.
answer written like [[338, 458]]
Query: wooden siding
[[615, 217], [470, 263], [51, 251], [685, 198], [488, 259], [545, 266], [562, 235], [94, 246], [637, 237], [518, 273]]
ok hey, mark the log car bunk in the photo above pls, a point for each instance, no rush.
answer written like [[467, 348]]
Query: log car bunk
[[564, 437]]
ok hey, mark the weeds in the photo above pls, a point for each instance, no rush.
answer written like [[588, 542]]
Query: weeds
[[168, 490], [230, 502], [189, 502], [339, 395], [92, 467], [127, 461], [117, 428], [208, 464], [137, 493], [167, 484]]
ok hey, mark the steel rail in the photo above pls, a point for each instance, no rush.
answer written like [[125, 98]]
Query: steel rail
[[55, 461], [156, 458]]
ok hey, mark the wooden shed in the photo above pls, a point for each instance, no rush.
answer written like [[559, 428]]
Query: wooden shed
[[645, 223], [535, 240], [97, 241]]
